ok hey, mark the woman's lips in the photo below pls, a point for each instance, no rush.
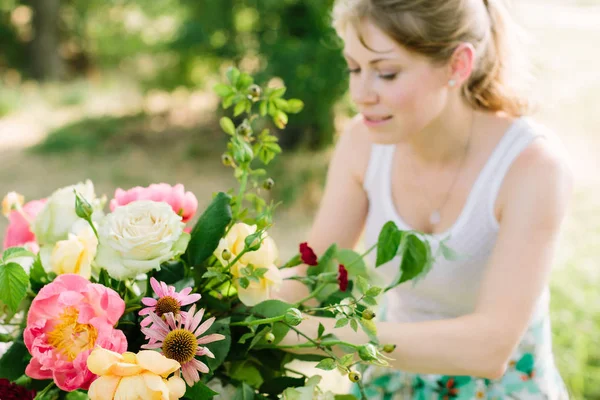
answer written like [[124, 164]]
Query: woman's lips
[[373, 121]]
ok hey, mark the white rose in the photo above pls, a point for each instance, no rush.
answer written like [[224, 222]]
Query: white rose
[[57, 217], [138, 237]]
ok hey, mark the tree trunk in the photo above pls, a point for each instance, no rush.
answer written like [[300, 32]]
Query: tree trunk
[[46, 63]]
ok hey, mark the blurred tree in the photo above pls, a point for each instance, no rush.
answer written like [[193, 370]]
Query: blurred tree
[[290, 39], [45, 57]]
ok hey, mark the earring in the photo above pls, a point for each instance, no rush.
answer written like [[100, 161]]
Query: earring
[[451, 82]]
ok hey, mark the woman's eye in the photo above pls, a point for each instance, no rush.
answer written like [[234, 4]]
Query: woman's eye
[[388, 77], [353, 70]]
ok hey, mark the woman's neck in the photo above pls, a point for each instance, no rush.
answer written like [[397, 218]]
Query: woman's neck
[[445, 140]]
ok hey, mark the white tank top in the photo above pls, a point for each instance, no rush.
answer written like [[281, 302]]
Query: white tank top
[[451, 287]]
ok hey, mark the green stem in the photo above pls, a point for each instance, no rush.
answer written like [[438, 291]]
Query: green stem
[[360, 257], [41, 394], [313, 294], [328, 343], [243, 184], [317, 345], [363, 395], [258, 321]]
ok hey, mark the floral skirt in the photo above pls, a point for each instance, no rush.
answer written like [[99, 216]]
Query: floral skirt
[[531, 375]]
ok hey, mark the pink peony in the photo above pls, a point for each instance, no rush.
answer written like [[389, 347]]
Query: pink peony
[[67, 320], [18, 232], [183, 203]]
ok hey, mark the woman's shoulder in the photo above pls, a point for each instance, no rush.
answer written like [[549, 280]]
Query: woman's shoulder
[[355, 146]]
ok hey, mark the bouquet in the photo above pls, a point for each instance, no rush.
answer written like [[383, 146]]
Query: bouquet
[[134, 303]]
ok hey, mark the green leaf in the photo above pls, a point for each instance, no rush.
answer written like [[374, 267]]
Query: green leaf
[[244, 392], [345, 397], [369, 327], [321, 330], [239, 108], [246, 371], [327, 364], [341, 322], [77, 395], [280, 119], [362, 284], [228, 101], [448, 253], [279, 92], [347, 360], [200, 391], [277, 385], [388, 243], [14, 252], [415, 258], [227, 126], [354, 325], [209, 229], [38, 278], [325, 259], [244, 282], [294, 106], [282, 104], [374, 291], [263, 108], [370, 301], [13, 285], [14, 361], [233, 74], [354, 263], [170, 272], [184, 283], [222, 90], [245, 337], [273, 308], [244, 81], [526, 363]]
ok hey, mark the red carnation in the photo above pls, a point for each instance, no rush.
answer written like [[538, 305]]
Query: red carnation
[[343, 277], [307, 254], [12, 391]]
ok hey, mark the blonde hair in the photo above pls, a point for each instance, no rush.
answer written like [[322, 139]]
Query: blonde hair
[[434, 28]]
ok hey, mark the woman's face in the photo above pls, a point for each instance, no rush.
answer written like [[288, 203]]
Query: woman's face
[[397, 92]]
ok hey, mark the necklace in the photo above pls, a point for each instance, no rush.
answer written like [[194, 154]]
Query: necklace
[[435, 217]]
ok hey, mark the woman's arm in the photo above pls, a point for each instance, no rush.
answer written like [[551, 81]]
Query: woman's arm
[[480, 344], [342, 211]]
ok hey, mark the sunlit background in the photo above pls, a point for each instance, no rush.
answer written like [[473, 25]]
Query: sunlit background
[[120, 92]]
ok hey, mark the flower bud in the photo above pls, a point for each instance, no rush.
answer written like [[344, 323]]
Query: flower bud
[[244, 129], [226, 160], [268, 184], [368, 352], [226, 254], [388, 348], [252, 242], [270, 338], [368, 314], [354, 376], [83, 209], [254, 91], [12, 201], [293, 316]]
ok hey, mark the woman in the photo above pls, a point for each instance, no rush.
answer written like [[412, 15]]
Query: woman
[[441, 146]]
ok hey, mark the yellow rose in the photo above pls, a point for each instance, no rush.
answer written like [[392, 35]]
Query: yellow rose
[[12, 201], [265, 256], [75, 255], [134, 376]]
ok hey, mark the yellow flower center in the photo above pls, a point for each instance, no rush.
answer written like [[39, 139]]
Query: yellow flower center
[[70, 337], [167, 304], [180, 345]]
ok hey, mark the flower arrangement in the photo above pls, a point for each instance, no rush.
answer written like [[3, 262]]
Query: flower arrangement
[[134, 303]]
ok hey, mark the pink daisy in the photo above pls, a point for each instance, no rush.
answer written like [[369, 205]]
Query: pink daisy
[[168, 301], [179, 339]]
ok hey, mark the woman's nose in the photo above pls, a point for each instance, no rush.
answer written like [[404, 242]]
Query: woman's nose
[[363, 92]]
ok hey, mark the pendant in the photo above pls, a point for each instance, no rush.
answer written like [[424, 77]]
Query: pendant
[[435, 217]]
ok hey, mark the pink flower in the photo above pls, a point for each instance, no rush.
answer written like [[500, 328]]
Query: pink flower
[[183, 203], [168, 301], [19, 232], [67, 319], [180, 339]]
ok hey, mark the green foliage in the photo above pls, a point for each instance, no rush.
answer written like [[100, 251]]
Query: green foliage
[[13, 284], [292, 40]]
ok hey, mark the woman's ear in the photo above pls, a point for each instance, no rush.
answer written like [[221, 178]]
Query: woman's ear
[[461, 63]]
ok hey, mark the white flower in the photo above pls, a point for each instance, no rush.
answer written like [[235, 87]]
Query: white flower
[[138, 237], [58, 216], [11, 201]]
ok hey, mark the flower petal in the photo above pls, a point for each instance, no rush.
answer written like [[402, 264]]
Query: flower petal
[[215, 337], [157, 363]]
